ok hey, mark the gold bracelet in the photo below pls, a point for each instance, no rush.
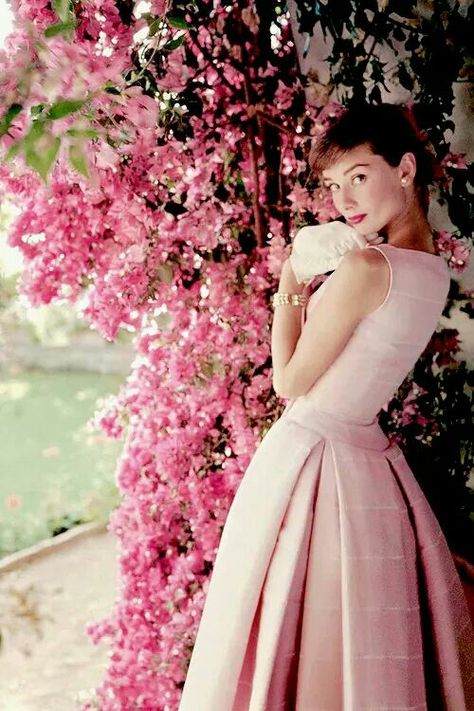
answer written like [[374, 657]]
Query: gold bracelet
[[280, 298]]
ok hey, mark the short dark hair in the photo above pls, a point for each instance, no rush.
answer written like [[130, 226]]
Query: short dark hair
[[388, 130]]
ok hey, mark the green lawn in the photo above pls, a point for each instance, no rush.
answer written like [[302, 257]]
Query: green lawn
[[54, 473]]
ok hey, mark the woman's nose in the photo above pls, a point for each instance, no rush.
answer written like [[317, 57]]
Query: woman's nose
[[347, 199]]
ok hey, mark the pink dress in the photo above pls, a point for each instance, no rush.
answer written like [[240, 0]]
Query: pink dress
[[333, 588]]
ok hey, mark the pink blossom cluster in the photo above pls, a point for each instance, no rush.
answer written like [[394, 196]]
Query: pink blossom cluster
[[134, 243], [456, 249]]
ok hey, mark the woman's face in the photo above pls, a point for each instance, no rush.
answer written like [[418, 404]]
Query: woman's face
[[363, 183]]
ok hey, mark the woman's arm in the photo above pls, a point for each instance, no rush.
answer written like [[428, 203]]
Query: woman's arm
[[286, 328], [300, 357]]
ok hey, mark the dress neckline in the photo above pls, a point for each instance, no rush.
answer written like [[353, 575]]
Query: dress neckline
[[442, 261], [416, 251]]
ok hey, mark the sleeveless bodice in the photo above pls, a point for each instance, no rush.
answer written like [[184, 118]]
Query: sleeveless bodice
[[387, 343]]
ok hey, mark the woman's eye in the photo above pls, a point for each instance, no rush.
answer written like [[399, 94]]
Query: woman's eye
[[334, 185]]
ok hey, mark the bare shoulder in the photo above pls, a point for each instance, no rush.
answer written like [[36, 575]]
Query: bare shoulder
[[370, 257], [365, 261], [369, 270]]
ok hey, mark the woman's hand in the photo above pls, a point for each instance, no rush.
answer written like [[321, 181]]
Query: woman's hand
[[289, 283], [288, 280], [318, 249]]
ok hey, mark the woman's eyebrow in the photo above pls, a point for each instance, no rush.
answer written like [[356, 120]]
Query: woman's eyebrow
[[351, 168]]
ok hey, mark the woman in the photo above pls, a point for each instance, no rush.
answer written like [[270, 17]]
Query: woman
[[333, 587]]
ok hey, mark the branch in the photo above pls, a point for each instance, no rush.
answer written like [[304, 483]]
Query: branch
[[273, 123], [257, 215]]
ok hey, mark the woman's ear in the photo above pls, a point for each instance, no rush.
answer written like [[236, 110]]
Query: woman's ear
[[407, 169]]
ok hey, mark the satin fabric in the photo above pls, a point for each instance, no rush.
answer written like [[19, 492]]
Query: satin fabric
[[333, 587]]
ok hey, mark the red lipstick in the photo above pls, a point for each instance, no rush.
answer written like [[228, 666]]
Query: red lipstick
[[356, 219]]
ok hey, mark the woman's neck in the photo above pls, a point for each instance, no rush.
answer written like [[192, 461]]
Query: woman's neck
[[412, 232]]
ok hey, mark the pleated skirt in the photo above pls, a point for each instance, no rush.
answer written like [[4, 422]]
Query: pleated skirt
[[333, 588]]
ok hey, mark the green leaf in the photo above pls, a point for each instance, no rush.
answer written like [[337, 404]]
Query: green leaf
[[8, 118], [36, 110], [172, 44], [82, 132], [165, 273], [178, 22], [112, 90], [153, 29], [41, 158], [62, 8], [59, 28], [13, 150], [78, 159], [64, 108], [36, 131], [406, 81]]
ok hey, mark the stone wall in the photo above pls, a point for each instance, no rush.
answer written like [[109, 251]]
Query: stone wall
[[86, 351]]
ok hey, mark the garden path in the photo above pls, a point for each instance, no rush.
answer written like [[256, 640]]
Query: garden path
[[58, 594]]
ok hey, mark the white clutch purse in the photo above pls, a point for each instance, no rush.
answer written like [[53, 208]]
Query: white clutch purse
[[318, 249]]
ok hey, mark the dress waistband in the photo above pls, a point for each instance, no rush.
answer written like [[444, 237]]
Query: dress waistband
[[358, 434]]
